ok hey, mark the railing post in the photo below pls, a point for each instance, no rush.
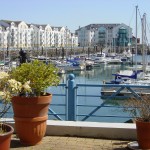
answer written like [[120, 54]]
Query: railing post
[[71, 102]]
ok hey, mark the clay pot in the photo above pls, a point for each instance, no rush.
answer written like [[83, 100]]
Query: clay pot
[[5, 138], [30, 115], [143, 134]]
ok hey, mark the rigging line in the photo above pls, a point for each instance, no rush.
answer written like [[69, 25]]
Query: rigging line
[[148, 27], [138, 26], [139, 13], [140, 16], [132, 16], [133, 13], [138, 23], [148, 30]]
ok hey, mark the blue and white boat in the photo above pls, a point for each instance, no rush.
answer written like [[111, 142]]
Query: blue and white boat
[[69, 65], [131, 78]]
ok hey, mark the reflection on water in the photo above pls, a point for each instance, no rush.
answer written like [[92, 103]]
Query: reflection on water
[[94, 76]]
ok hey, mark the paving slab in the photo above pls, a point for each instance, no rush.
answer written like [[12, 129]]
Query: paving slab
[[71, 143]]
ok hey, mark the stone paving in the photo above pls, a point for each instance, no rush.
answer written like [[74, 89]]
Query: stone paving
[[71, 143]]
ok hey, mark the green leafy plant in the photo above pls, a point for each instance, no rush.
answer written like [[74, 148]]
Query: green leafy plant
[[29, 79], [39, 76], [138, 108]]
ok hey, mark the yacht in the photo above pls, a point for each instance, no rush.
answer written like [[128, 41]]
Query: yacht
[[100, 58], [128, 77]]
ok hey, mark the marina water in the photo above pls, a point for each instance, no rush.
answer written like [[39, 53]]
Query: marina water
[[95, 76]]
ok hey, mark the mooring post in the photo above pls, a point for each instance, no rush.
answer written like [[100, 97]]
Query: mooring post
[[71, 103]]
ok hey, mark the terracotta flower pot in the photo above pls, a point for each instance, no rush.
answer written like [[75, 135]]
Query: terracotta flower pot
[[5, 138], [30, 115], [143, 134]]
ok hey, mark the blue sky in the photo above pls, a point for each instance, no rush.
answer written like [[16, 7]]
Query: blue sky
[[73, 13]]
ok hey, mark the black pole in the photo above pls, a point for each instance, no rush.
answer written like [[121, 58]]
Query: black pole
[[88, 52], [96, 48], [63, 53], [56, 53], [7, 52]]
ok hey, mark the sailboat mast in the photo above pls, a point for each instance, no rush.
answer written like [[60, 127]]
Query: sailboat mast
[[136, 42], [144, 42]]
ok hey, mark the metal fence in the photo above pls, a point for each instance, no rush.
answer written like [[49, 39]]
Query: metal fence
[[73, 97], [74, 105]]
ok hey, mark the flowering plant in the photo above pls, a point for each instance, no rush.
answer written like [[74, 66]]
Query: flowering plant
[[10, 87], [29, 79]]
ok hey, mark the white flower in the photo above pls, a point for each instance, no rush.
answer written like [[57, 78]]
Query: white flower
[[5, 95], [1, 94], [11, 87], [27, 87], [15, 85], [3, 75]]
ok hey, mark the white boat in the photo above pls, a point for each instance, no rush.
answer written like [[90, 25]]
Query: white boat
[[100, 58], [128, 77], [69, 66], [109, 59], [114, 60]]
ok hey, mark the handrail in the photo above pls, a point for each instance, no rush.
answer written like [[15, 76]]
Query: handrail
[[68, 104], [73, 103]]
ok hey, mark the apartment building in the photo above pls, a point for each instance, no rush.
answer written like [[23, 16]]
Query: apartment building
[[18, 34], [104, 35]]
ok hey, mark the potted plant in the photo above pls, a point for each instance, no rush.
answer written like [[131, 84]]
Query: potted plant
[[30, 102], [139, 109], [5, 129], [5, 135]]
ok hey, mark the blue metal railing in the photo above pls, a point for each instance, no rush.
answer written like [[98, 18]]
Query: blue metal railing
[[74, 105], [55, 95], [73, 99]]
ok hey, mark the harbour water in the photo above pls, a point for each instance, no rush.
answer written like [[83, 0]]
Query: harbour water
[[95, 76]]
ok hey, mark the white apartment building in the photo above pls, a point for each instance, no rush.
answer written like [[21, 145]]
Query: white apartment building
[[104, 35], [18, 34]]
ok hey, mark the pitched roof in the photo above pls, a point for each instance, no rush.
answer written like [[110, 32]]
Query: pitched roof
[[10, 21], [96, 26]]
